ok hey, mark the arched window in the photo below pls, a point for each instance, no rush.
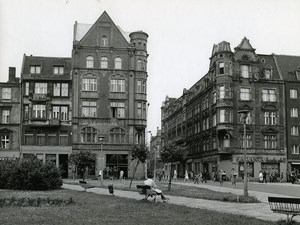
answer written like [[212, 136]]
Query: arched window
[[118, 63], [88, 135], [89, 62], [103, 62], [104, 41], [117, 135], [139, 65]]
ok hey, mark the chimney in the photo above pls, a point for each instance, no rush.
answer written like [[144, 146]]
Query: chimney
[[12, 74]]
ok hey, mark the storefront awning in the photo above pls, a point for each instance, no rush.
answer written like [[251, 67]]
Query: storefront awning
[[295, 163]]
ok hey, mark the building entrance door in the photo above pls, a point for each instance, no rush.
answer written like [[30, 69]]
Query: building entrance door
[[115, 163]]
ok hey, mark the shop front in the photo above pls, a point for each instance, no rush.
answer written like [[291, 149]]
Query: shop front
[[275, 166]]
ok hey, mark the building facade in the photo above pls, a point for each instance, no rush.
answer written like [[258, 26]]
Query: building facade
[[10, 107], [46, 101], [109, 93], [206, 119]]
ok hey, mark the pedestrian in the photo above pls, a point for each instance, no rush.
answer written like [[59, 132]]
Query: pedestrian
[[233, 177], [186, 176], [100, 174], [152, 184], [204, 176], [260, 177], [121, 174], [221, 177], [264, 176], [175, 175]]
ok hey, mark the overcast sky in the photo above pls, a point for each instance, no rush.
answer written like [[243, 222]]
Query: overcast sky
[[181, 34]]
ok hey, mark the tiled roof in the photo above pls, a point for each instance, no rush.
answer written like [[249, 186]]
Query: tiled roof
[[80, 30], [47, 64], [288, 65], [267, 61]]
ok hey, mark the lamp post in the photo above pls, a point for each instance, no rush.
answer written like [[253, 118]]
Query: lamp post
[[154, 164], [101, 139], [244, 115]]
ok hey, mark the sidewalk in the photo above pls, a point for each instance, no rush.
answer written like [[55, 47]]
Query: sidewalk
[[258, 210]]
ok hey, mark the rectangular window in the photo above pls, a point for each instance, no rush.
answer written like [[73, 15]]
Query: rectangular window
[[64, 113], [221, 68], [6, 93], [41, 138], [269, 95], [214, 120], [245, 94], [248, 141], [295, 131], [35, 69], [245, 71], [27, 88], [55, 112], [52, 138], [58, 70], [63, 138], [294, 112], [222, 92], [89, 109], [89, 84], [117, 85], [5, 116], [4, 138], [64, 89], [270, 141], [117, 109], [39, 111], [40, 88], [139, 86], [214, 98], [28, 138], [295, 149], [26, 112], [293, 93], [56, 89], [225, 116]]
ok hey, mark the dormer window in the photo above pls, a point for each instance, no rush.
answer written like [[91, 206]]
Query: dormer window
[[104, 41], [245, 71], [58, 70], [35, 69], [267, 74], [89, 62]]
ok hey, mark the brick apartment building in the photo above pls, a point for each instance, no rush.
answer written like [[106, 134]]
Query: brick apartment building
[[205, 118], [46, 101], [10, 117], [109, 93]]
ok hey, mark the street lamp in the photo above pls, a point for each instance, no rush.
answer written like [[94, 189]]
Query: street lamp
[[244, 115], [101, 139]]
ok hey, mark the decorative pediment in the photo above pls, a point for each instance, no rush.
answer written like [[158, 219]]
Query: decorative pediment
[[248, 130], [5, 131], [269, 130], [245, 107], [269, 108]]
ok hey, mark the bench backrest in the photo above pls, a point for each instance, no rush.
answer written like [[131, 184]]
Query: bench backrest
[[279, 204]]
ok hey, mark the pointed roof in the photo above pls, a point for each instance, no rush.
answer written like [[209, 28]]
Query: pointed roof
[[81, 30], [223, 46], [245, 45]]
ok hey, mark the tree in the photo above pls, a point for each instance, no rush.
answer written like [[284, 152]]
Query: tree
[[173, 153], [83, 160], [139, 153]]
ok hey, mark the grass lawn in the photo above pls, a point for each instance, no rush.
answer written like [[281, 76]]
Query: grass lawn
[[90, 208], [176, 190]]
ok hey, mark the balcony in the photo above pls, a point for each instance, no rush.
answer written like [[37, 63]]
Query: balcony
[[224, 150], [45, 123], [225, 126], [39, 97]]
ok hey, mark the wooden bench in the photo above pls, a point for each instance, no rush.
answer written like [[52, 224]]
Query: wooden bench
[[147, 191], [288, 206]]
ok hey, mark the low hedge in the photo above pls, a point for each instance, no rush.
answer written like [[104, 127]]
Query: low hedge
[[29, 174]]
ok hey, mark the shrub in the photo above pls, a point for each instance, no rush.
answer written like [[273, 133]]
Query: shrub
[[29, 174], [34, 202]]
